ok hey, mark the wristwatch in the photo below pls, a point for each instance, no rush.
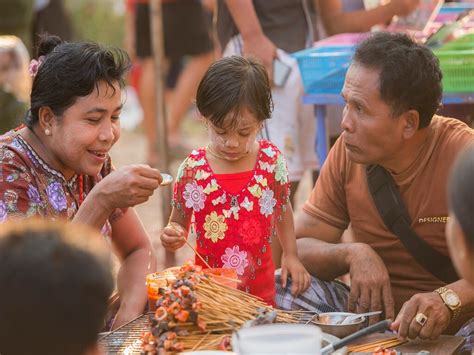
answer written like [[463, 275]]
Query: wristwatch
[[451, 300]]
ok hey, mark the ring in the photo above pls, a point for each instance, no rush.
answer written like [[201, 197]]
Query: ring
[[421, 319]]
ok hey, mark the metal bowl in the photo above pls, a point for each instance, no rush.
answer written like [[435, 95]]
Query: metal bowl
[[329, 323]]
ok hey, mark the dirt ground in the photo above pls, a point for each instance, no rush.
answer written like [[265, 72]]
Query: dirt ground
[[131, 149]]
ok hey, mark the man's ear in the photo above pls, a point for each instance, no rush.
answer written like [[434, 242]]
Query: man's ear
[[46, 118], [412, 123]]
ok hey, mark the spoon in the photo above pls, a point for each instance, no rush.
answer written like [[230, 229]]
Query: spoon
[[352, 317], [167, 179]]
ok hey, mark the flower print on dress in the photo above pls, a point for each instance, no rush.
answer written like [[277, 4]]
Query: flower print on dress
[[56, 196], [267, 202], [235, 259], [269, 152], [251, 232], [33, 195], [215, 227], [194, 196], [281, 172], [3, 211]]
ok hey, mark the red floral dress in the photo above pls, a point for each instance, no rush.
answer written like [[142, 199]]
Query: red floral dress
[[234, 230]]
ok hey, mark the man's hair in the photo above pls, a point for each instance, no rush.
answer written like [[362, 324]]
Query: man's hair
[[461, 192], [410, 77], [55, 281], [231, 85], [72, 70]]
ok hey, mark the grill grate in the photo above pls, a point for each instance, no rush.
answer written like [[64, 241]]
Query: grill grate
[[126, 339]]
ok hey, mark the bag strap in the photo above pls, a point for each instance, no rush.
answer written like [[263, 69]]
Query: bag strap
[[391, 208]]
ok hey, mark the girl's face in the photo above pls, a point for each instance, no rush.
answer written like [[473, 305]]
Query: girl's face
[[460, 250], [81, 139], [234, 143]]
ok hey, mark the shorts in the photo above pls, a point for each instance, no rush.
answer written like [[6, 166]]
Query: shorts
[[292, 127], [185, 29]]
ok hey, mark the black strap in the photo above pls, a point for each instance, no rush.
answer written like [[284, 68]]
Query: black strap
[[389, 203]]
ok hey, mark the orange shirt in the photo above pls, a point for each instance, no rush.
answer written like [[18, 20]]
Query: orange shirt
[[341, 196]]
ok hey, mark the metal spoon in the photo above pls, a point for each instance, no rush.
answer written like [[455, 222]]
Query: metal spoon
[[349, 319], [167, 179]]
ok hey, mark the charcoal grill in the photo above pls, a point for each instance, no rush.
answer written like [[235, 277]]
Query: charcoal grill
[[126, 339]]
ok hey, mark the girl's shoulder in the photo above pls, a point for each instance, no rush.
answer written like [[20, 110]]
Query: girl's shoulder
[[195, 159]]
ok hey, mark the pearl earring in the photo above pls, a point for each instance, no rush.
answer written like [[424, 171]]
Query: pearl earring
[[47, 131]]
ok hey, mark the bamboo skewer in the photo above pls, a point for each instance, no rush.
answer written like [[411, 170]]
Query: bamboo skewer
[[196, 252], [371, 347]]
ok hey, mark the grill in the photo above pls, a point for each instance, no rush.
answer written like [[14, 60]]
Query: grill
[[126, 339]]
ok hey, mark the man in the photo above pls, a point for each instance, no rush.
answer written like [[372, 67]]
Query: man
[[392, 90], [55, 281]]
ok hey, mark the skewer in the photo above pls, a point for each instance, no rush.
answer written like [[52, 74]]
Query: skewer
[[196, 252]]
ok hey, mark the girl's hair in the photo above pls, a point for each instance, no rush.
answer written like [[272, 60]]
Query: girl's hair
[[461, 192], [71, 70], [231, 85]]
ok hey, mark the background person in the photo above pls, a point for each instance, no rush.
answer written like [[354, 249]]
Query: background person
[[56, 280]]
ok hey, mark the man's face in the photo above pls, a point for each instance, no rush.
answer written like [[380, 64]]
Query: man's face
[[371, 134]]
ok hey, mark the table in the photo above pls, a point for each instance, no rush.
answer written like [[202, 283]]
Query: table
[[321, 100], [446, 344]]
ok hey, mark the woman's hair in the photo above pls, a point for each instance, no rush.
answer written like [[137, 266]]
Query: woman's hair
[[231, 85], [410, 76], [71, 70], [461, 193], [55, 282]]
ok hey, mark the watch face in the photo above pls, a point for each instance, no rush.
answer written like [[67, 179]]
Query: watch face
[[451, 299]]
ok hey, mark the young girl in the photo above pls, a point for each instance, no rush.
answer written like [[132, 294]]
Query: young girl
[[237, 187]]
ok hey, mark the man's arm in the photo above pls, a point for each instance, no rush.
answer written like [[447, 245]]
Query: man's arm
[[323, 255], [335, 20], [255, 42]]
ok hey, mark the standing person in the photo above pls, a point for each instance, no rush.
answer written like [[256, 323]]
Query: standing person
[[51, 17], [58, 166], [392, 91], [185, 34], [237, 188], [56, 281]]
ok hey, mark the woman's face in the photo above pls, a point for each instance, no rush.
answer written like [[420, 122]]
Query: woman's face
[[81, 139], [233, 144], [462, 253]]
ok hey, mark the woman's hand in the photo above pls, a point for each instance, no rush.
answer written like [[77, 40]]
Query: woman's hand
[[173, 236], [300, 278], [127, 186]]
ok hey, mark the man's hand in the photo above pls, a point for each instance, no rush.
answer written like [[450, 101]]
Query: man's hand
[[370, 283], [432, 306], [260, 47]]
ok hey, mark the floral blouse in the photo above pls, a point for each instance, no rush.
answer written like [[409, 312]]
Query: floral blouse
[[234, 230], [30, 187]]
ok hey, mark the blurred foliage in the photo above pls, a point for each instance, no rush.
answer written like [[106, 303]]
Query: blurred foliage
[[102, 21]]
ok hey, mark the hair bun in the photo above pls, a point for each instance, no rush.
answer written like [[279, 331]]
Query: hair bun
[[46, 44]]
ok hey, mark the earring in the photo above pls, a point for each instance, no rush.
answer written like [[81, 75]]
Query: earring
[[47, 132]]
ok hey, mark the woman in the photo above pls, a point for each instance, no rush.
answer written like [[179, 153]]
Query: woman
[[58, 166], [460, 226]]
